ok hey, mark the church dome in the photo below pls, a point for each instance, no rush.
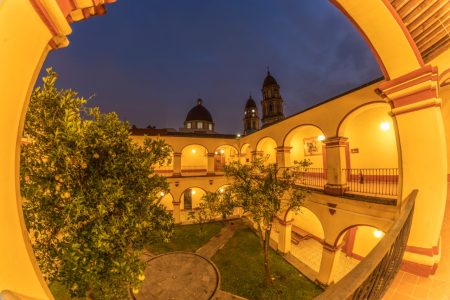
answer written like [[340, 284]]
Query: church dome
[[269, 80], [250, 103], [199, 113]]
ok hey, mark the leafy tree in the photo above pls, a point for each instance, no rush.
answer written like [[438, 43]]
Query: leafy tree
[[263, 192], [90, 194], [201, 215]]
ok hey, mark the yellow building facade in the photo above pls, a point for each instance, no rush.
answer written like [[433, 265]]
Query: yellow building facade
[[397, 123]]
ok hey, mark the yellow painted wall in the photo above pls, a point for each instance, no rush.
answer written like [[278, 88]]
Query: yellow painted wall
[[24, 46], [308, 221], [377, 148], [268, 146], [445, 96], [295, 139], [167, 200], [246, 153], [365, 240]]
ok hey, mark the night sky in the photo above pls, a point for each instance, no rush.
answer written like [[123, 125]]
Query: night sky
[[150, 60]]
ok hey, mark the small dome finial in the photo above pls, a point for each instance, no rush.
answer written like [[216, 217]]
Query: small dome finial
[[199, 101], [268, 70]]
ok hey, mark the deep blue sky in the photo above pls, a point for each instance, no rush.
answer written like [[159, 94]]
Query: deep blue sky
[[150, 60]]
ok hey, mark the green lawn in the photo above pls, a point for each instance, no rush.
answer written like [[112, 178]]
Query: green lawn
[[187, 238], [241, 266]]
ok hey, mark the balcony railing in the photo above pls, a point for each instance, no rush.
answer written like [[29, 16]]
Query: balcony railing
[[193, 170], [372, 181], [371, 278], [312, 177], [166, 171]]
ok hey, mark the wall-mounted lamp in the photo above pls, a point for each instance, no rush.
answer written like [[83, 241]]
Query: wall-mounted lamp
[[384, 126], [378, 233], [321, 138]]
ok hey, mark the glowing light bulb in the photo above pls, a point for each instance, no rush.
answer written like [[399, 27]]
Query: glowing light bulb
[[384, 126], [162, 194], [221, 190], [216, 153], [222, 151], [194, 151], [238, 135], [378, 233], [193, 192], [321, 138]]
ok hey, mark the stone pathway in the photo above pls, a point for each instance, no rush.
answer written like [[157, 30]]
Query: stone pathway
[[218, 241]]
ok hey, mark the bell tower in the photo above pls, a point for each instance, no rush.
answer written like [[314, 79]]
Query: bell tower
[[272, 103], [251, 119]]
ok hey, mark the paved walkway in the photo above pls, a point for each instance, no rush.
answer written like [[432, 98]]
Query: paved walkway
[[179, 276], [407, 286], [186, 276], [218, 241]]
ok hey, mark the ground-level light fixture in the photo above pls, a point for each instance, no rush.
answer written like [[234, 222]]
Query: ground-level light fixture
[[321, 138], [378, 233], [384, 126]]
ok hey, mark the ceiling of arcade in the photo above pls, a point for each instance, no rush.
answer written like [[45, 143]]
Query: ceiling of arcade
[[428, 23]]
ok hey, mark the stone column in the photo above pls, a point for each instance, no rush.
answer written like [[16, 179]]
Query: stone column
[[330, 256], [416, 109], [336, 161], [211, 164], [176, 164], [283, 156], [177, 212], [284, 236]]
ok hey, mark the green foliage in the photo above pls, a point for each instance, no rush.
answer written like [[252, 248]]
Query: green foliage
[[239, 262], [90, 194], [263, 191], [201, 215]]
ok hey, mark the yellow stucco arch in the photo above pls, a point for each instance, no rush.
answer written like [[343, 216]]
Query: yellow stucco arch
[[266, 149], [24, 47]]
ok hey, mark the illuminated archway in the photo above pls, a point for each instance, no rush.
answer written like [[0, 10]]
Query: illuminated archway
[[246, 154], [354, 244], [167, 201], [223, 155], [194, 160], [307, 237], [266, 150], [191, 198], [372, 154], [305, 142]]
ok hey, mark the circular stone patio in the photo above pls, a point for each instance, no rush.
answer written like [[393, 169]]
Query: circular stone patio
[[179, 276]]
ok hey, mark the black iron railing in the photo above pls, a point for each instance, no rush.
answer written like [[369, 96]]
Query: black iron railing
[[371, 278], [314, 177], [382, 181]]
